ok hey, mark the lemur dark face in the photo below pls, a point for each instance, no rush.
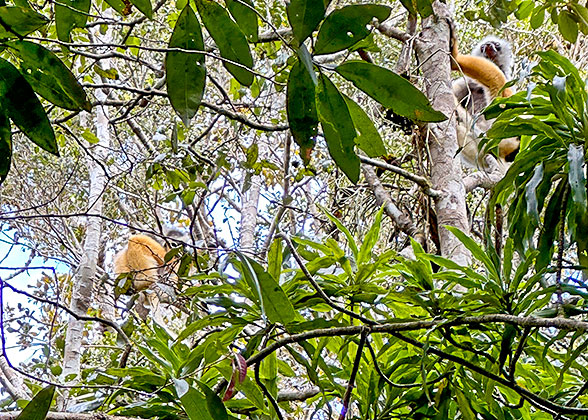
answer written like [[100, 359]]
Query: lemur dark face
[[490, 49]]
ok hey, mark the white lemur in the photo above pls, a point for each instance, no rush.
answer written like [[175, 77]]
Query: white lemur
[[486, 71], [144, 259]]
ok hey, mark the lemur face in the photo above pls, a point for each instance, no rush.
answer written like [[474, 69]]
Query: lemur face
[[490, 49]]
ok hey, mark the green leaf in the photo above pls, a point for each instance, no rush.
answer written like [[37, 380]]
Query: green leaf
[[338, 128], [391, 90], [524, 10], [19, 21], [304, 16], [475, 249], [548, 233], [49, 77], [119, 6], [347, 26], [464, 405], [245, 17], [301, 109], [531, 192], [193, 402], [274, 301], [274, 258], [581, 15], [38, 407], [144, 7], [425, 8], [24, 109], [70, 14], [368, 139], [186, 72], [229, 39], [370, 240], [537, 17], [340, 226], [215, 405], [278, 307], [5, 146], [568, 26]]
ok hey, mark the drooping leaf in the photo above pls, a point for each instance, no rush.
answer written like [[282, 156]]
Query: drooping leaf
[[186, 72], [24, 109], [568, 26], [391, 90], [38, 407], [5, 146], [144, 7], [301, 109], [347, 26], [70, 14], [193, 402], [215, 406], [49, 77], [304, 16], [245, 17], [275, 303], [338, 128], [229, 39], [19, 21], [368, 139], [239, 365]]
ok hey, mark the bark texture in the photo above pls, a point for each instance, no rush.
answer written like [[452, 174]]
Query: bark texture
[[432, 48], [84, 280]]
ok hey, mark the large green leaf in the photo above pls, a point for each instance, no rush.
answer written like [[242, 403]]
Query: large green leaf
[[70, 14], [193, 401], [5, 146], [19, 21], [391, 90], [214, 403], [568, 26], [275, 302], [304, 16], [338, 128], [229, 39], [38, 407], [347, 26], [245, 17], [49, 77], [301, 109], [186, 73], [144, 7], [24, 109], [368, 139]]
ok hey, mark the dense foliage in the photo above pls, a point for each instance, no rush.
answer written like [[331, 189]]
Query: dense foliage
[[297, 296]]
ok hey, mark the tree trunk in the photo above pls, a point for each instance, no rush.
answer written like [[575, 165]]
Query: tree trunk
[[84, 280], [432, 48], [249, 216]]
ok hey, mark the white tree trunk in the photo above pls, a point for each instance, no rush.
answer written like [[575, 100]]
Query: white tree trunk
[[84, 280], [249, 216], [433, 52]]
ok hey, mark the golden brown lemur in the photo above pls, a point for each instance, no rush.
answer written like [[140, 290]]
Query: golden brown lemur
[[486, 70]]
